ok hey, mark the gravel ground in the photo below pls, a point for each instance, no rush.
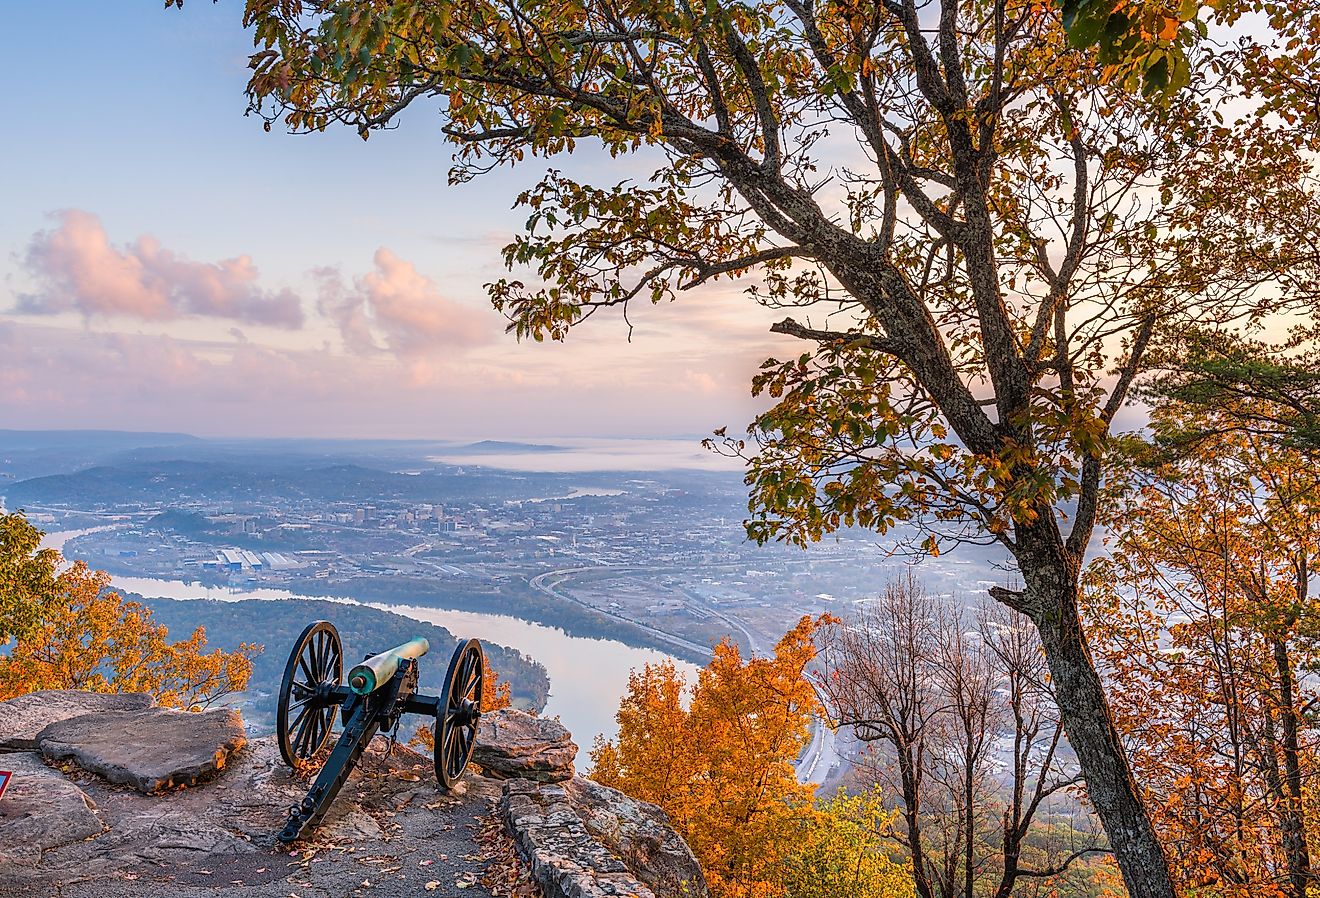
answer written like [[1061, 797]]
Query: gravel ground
[[446, 862], [391, 833]]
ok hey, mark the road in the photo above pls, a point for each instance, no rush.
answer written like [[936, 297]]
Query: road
[[816, 761], [820, 758], [539, 582]]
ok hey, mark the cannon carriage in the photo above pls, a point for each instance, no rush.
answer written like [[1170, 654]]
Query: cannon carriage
[[371, 699]]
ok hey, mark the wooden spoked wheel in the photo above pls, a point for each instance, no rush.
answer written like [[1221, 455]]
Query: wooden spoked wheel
[[459, 712], [306, 710]]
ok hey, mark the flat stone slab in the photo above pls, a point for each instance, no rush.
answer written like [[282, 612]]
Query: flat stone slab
[[512, 744], [150, 750], [41, 810], [22, 718]]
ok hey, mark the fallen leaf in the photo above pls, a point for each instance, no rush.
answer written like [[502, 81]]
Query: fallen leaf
[[433, 885]]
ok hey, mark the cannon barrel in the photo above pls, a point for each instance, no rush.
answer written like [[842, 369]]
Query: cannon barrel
[[377, 670]]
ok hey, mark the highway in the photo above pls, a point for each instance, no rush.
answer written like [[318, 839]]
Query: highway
[[816, 761], [539, 583], [819, 758]]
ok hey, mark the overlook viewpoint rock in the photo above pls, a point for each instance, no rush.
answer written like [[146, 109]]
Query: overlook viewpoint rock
[[112, 797]]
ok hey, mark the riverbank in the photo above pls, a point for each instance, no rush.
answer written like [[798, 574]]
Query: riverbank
[[588, 675]]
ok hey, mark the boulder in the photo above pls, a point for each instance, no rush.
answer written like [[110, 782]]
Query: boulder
[[22, 718], [41, 810], [639, 833], [514, 744], [564, 858], [149, 750]]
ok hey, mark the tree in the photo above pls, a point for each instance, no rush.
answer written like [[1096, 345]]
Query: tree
[[723, 767], [1152, 45], [1222, 384], [85, 636], [937, 691], [997, 232], [27, 576], [842, 849], [1205, 620]]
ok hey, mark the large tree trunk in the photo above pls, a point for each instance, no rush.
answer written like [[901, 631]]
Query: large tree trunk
[[1292, 821], [1090, 729], [1051, 600]]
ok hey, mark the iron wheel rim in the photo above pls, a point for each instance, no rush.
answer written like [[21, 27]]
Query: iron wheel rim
[[305, 714], [459, 712]]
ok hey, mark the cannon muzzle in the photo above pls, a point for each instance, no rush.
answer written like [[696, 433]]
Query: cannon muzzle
[[377, 670]]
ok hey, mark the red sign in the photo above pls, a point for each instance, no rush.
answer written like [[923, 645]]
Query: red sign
[[5, 777]]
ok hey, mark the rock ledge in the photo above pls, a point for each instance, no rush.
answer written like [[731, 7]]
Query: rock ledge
[[149, 750], [585, 840], [514, 744], [22, 718]]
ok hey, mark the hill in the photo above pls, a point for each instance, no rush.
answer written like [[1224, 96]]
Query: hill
[[179, 482], [277, 625]]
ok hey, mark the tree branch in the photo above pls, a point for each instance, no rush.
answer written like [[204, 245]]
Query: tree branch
[[866, 341]]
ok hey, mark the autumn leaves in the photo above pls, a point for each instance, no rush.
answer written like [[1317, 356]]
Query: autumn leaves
[[719, 755], [71, 632]]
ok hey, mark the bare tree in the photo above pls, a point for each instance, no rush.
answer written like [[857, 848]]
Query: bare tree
[[964, 710], [880, 679]]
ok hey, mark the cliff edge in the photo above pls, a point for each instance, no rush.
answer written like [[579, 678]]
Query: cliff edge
[[111, 797]]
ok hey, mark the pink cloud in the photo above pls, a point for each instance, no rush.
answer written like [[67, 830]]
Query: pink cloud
[[158, 382], [78, 269], [395, 307]]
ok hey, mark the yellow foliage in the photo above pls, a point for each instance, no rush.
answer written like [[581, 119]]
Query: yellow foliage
[[843, 850], [87, 637], [723, 769]]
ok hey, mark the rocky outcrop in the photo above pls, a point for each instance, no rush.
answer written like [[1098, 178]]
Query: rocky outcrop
[[639, 833], [150, 750], [41, 810], [584, 840], [73, 834], [68, 825], [22, 718], [514, 744], [565, 860]]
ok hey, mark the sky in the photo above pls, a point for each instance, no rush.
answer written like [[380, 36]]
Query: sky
[[167, 265]]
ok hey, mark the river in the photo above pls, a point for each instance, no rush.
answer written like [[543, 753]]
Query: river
[[587, 676]]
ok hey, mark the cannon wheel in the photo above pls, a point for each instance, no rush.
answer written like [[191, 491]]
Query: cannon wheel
[[306, 712], [458, 712]]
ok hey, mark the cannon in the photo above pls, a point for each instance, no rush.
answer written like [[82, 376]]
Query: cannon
[[373, 698]]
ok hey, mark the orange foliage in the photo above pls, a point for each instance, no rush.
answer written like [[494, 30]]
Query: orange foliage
[[1203, 619], [88, 637], [723, 767]]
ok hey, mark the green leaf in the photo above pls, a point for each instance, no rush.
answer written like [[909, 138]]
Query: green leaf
[[1157, 77]]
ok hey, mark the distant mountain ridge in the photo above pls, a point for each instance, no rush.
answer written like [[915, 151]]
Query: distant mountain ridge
[[171, 482], [108, 439], [500, 446]]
